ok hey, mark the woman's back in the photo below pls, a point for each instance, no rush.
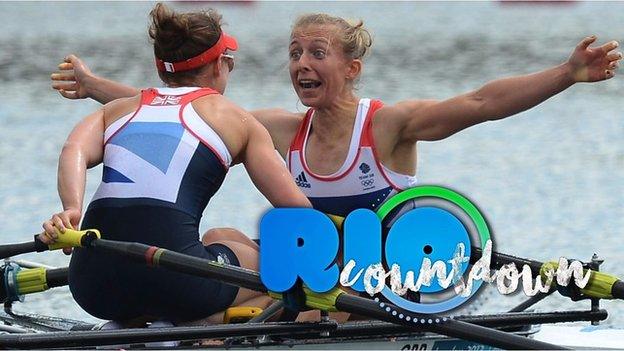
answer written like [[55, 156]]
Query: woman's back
[[162, 164], [162, 154]]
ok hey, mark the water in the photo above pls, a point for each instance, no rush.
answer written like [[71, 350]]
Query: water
[[549, 180]]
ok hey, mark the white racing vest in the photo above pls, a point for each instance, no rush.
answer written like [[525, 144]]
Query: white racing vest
[[163, 154], [361, 182]]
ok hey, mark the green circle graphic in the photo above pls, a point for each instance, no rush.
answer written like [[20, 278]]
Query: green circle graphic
[[444, 194], [437, 192]]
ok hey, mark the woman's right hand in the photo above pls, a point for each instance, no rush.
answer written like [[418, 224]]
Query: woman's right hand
[[71, 78], [62, 220]]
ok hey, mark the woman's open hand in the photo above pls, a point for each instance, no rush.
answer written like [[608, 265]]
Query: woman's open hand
[[71, 78], [596, 63]]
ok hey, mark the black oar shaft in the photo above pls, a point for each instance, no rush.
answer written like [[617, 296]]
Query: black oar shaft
[[531, 301], [440, 325], [183, 263], [57, 277], [499, 260], [268, 312], [367, 328], [10, 250], [84, 339], [526, 318]]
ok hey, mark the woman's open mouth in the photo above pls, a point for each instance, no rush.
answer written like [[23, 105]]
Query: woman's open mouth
[[309, 83]]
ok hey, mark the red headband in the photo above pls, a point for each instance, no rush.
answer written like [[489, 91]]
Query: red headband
[[225, 42]]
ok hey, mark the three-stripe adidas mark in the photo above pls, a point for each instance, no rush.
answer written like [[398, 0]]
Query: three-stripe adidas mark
[[302, 181]]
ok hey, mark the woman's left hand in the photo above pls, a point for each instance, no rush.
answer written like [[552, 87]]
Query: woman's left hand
[[594, 64]]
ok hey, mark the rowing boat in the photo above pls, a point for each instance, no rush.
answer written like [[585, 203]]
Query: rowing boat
[[517, 328], [19, 330]]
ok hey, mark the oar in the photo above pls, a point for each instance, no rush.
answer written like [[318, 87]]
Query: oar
[[9, 250], [301, 330], [15, 282], [335, 300], [87, 338], [600, 285], [71, 238]]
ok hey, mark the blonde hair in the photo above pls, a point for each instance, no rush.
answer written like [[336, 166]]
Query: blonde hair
[[353, 36]]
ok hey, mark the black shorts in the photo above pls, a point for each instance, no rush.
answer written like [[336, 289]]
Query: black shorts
[[113, 287]]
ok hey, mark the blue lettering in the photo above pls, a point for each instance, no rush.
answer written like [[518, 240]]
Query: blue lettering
[[362, 242], [298, 243]]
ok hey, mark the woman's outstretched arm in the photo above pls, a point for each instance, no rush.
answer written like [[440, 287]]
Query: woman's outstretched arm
[[435, 120], [74, 80]]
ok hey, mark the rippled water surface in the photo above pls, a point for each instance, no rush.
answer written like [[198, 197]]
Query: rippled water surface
[[551, 180]]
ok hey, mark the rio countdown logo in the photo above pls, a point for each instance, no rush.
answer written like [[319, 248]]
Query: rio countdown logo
[[421, 239]]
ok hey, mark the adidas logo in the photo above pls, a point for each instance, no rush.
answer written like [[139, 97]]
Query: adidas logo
[[302, 182]]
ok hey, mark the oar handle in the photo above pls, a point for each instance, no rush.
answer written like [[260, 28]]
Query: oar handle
[[17, 249], [15, 282], [70, 238], [618, 290], [74, 238]]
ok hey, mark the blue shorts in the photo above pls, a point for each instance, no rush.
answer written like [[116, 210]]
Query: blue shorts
[[113, 287]]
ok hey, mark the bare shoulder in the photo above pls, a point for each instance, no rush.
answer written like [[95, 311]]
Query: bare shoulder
[[120, 107], [393, 118], [392, 121], [273, 117], [220, 107], [282, 126], [402, 108], [231, 122], [278, 114]]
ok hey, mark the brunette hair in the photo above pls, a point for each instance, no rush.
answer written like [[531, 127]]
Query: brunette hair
[[181, 36]]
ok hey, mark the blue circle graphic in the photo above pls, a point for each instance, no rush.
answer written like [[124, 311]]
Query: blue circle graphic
[[426, 232], [431, 230]]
